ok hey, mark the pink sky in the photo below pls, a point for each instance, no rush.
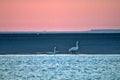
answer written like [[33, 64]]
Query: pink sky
[[59, 15]]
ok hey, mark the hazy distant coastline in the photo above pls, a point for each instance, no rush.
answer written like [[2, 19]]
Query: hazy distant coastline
[[105, 31], [88, 31]]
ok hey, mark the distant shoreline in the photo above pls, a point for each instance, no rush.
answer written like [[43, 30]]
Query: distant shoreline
[[48, 32], [37, 33]]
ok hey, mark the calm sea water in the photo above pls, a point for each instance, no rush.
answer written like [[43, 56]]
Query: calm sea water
[[90, 43], [57, 67], [60, 67]]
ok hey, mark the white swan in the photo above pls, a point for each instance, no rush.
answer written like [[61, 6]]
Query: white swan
[[74, 49], [54, 52]]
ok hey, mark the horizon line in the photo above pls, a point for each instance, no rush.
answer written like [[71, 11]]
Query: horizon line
[[64, 30], [85, 31]]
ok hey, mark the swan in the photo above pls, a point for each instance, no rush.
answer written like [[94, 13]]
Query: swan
[[74, 49], [54, 52]]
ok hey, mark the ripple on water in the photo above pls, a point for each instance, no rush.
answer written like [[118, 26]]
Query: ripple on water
[[60, 67]]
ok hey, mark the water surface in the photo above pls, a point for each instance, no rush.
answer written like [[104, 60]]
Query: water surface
[[90, 43], [60, 67]]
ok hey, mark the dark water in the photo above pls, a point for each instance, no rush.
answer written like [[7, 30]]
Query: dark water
[[90, 43]]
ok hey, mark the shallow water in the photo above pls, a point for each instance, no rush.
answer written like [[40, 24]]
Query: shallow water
[[59, 67]]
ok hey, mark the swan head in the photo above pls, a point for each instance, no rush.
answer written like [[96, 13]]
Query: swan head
[[54, 47], [77, 42]]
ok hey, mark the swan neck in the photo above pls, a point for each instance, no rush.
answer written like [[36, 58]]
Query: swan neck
[[54, 49], [77, 45]]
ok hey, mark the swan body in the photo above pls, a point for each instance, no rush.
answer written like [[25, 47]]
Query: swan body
[[54, 52], [74, 49]]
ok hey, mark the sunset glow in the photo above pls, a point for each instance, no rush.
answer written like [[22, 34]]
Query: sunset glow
[[59, 15]]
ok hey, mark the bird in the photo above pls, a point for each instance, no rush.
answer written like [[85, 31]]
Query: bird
[[74, 49], [54, 52]]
